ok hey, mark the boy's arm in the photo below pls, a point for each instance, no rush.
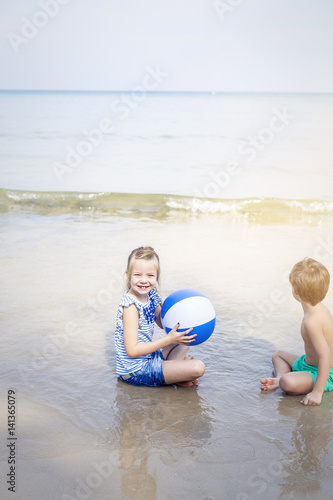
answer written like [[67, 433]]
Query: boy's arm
[[320, 346]]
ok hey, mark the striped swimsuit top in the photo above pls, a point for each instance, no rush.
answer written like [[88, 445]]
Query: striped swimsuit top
[[145, 331]]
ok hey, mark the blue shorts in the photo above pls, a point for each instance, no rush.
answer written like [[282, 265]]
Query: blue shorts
[[150, 374]]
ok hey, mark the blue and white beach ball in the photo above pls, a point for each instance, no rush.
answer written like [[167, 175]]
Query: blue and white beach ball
[[192, 310]]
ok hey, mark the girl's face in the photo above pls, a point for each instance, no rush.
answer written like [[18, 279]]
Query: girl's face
[[143, 278]]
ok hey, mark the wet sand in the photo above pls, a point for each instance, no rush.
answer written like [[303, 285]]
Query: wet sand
[[84, 434], [179, 443]]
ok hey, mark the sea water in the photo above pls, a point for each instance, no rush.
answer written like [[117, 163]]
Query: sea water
[[231, 190]]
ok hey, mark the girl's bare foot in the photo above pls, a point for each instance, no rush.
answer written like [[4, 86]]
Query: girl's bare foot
[[188, 384], [269, 384]]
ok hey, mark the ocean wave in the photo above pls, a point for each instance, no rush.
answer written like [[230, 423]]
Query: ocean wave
[[252, 205], [158, 204]]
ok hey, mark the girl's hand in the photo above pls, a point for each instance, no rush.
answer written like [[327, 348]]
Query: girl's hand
[[181, 337]]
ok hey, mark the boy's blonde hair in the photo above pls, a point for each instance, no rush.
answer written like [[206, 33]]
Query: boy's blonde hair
[[146, 253], [310, 280]]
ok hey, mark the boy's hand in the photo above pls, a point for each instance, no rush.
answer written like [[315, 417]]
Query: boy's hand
[[313, 398]]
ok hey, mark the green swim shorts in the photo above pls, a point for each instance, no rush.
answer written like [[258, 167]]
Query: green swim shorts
[[301, 366]]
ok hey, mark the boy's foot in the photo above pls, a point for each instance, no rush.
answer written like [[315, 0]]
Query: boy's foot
[[269, 384]]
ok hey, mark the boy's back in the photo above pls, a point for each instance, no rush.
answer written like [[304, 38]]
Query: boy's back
[[317, 326]]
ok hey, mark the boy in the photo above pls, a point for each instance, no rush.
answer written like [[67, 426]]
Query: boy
[[311, 374]]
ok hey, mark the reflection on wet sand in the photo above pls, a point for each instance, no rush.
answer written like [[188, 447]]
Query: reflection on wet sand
[[153, 427], [311, 438]]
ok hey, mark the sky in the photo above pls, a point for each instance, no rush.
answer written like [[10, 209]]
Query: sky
[[184, 45]]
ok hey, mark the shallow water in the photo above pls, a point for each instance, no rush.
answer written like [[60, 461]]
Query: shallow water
[[83, 432], [222, 146]]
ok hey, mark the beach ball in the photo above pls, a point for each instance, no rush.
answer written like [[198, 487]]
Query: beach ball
[[192, 310]]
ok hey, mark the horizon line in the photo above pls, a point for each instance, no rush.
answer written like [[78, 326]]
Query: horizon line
[[213, 92]]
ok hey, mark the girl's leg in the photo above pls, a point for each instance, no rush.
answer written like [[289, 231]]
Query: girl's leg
[[175, 352], [183, 372], [282, 362], [179, 369]]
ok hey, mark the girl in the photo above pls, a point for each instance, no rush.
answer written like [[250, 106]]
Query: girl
[[141, 360]]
